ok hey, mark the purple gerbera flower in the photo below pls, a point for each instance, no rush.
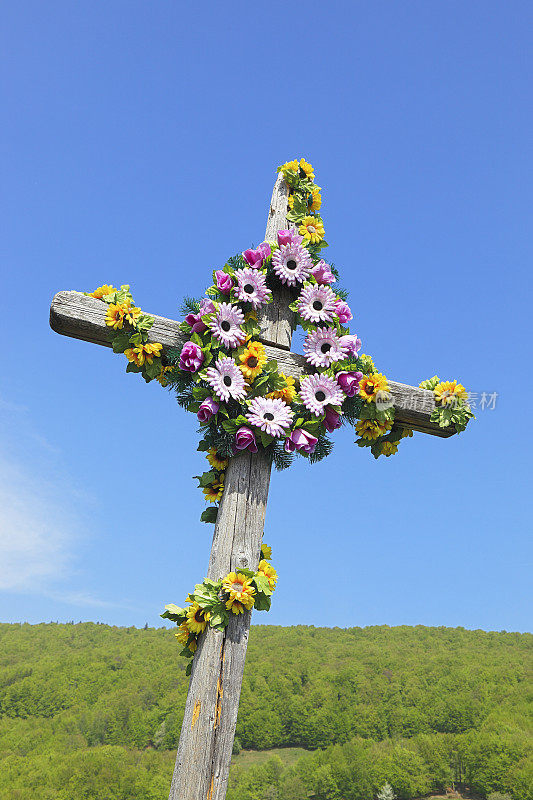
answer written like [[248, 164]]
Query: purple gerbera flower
[[225, 325], [272, 416], [318, 391], [226, 379], [292, 263], [317, 303], [323, 347], [251, 287]]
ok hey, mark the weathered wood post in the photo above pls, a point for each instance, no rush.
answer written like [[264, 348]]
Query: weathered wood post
[[208, 730]]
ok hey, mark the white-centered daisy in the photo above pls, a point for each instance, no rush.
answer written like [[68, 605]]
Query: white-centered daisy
[[225, 326], [317, 303], [318, 391], [226, 379], [323, 347], [251, 287], [292, 263], [271, 416]]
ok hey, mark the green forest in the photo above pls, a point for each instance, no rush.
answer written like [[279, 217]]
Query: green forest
[[93, 712]]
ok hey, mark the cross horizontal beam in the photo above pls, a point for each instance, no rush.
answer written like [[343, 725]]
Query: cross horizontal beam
[[80, 317]]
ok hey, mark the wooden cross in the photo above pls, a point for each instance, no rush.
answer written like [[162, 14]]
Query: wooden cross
[[205, 747]]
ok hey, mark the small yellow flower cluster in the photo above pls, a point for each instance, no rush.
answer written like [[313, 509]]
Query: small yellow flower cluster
[[143, 353], [287, 393], [449, 392], [372, 428], [371, 384], [252, 361]]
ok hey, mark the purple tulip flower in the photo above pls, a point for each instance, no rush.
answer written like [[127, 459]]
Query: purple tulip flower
[[207, 409], [352, 343], [191, 357], [300, 440], [245, 440], [343, 311], [195, 321], [255, 258], [349, 382], [322, 273], [289, 237], [332, 420], [206, 306], [224, 281]]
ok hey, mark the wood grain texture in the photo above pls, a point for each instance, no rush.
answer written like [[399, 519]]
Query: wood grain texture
[[278, 321], [73, 314], [204, 751]]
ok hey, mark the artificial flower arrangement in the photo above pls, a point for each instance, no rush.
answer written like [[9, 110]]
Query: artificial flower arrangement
[[242, 400], [212, 602]]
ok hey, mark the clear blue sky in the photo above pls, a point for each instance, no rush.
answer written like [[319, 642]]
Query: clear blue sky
[[142, 140]]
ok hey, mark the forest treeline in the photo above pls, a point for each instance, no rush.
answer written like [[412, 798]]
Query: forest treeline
[[93, 711]]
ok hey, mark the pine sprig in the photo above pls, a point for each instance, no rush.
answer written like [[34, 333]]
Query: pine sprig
[[190, 306], [281, 459], [323, 448]]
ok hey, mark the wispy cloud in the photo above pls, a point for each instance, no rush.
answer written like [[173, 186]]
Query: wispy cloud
[[36, 533], [41, 527]]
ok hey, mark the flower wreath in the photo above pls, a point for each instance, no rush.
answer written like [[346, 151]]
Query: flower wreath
[[222, 373]]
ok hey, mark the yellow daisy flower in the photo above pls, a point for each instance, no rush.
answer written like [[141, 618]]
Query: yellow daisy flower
[[289, 166], [269, 572], [407, 432], [197, 618], [306, 170], [316, 199], [102, 291], [266, 551], [115, 315], [217, 461], [214, 492], [288, 393], [449, 392], [239, 590], [252, 360], [370, 385], [182, 636], [372, 429], [312, 229], [144, 352], [389, 448], [131, 313]]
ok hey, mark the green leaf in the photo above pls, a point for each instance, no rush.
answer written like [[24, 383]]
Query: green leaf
[[265, 438], [133, 367], [200, 392], [262, 602], [209, 515], [261, 581]]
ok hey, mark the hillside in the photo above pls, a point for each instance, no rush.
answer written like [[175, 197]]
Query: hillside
[[92, 711]]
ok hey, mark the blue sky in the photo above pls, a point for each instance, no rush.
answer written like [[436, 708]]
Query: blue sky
[[142, 141]]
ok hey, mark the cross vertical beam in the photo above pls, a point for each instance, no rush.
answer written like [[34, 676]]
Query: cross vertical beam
[[206, 742]]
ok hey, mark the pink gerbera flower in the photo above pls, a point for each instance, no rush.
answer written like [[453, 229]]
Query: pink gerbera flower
[[252, 287], [226, 379], [272, 416], [317, 303], [318, 391], [225, 326], [292, 263], [323, 347]]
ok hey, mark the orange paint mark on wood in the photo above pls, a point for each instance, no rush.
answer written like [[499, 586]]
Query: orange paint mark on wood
[[210, 792], [195, 713], [218, 708]]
